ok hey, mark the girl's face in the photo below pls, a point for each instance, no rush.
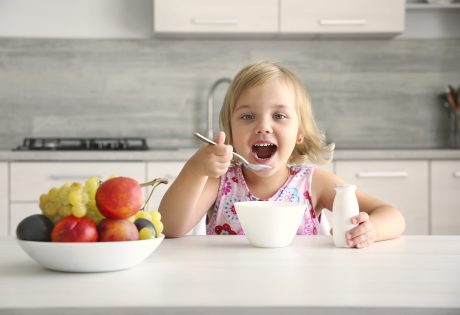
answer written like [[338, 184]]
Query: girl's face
[[265, 126]]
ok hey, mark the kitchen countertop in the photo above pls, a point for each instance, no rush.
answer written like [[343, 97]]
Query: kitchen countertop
[[184, 154], [226, 275]]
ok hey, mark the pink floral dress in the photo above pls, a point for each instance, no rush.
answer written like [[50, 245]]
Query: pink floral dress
[[233, 188]]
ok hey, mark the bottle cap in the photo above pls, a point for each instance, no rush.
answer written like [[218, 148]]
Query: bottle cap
[[345, 186]]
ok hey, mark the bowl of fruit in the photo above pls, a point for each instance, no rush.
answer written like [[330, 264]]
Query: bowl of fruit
[[92, 227]]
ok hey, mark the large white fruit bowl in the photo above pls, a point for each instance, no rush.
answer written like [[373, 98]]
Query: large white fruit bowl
[[91, 256], [270, 223]]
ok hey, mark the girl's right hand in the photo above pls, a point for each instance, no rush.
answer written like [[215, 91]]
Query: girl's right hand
[[213, 160]]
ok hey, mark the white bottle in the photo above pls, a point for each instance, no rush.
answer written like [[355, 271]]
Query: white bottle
[[344, 208]]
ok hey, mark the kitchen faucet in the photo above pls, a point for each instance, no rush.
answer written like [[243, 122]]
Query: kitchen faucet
[[213, 88]]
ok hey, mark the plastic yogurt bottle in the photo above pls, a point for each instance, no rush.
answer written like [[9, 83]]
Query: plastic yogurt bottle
[[345, 207]]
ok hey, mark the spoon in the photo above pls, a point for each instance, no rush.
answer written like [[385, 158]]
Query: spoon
[[251, 166]]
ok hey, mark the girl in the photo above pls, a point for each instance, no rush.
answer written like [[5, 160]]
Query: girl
[[267, 118]]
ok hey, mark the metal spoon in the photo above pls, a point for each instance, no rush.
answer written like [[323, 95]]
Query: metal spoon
[[251, 166]]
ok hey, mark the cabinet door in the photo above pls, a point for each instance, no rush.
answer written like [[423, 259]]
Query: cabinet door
[[337, 16], [403, 184], [216, 16], [4, 202], [445, 197]]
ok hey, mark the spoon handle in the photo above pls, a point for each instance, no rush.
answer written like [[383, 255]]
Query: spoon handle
[[203, 138]]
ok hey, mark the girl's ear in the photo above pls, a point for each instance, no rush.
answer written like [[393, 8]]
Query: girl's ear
[[299, 139]]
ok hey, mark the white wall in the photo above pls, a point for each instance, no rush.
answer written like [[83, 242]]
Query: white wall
[[76, 18]]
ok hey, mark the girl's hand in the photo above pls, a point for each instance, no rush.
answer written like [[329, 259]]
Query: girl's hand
[[364, 234], [214, 160]]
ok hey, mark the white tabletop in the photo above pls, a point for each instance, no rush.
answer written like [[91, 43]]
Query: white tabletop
[[211, 274]]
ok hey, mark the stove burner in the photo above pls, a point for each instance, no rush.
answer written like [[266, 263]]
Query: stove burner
[[80, 144]]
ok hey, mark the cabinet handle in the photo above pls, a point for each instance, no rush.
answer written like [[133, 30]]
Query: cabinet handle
[[202, 21], [456, 174], [342, 22], [382, 174], [69, 177]]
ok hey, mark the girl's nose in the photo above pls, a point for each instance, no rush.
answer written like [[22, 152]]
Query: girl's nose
[[263, 127]]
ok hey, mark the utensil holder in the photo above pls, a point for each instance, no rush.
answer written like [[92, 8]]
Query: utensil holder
[[454, 129]]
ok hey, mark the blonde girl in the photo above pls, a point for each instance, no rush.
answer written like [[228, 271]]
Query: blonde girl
[[267, 118]]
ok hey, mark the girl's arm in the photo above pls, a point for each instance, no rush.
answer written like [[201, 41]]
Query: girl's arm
[[194, 191], [377, 219]]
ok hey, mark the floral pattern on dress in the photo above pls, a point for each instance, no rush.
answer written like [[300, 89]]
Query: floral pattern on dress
[[229, 209], [225, 229], [289, 195], [227, 186]]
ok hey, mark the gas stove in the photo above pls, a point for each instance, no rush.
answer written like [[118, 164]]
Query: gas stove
[[83, 144]]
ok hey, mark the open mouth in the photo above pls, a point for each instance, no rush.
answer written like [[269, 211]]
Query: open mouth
[[264, 151]]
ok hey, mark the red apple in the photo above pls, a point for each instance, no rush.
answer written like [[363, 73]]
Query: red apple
[[119, 197], [72, 229], [115, 230]]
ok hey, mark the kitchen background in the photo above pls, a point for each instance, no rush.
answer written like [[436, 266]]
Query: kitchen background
[[366, 93]]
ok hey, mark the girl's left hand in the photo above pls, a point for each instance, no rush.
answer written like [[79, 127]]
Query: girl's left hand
[[363, 234]]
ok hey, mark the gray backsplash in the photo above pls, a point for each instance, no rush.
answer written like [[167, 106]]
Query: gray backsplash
[[365, 93]]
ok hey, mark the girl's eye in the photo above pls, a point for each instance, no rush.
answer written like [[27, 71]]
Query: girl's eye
[[247, 116], [279, 116]]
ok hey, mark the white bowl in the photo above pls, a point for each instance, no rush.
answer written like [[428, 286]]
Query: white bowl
[[270, 223], [91, 256]]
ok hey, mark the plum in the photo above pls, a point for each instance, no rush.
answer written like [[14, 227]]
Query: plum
[[142, 223], [36, 227]]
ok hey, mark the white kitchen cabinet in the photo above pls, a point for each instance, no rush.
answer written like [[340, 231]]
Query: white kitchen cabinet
[[404, 184], [431, 20], [445, 200], [339, 17], [4, 200], [31, 179], [216, 16], [76, 19]]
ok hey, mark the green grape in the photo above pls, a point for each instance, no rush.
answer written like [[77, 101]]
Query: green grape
[[52, 193], [43, 201], [92, 184], [79, 210], [49, 210], [75, 197], [65, 211], [75, 186], [84, 197], [93, 211], [63, 191], [156, 216], [146, 234]]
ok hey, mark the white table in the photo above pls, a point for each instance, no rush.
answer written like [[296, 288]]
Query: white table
[[225, 275]]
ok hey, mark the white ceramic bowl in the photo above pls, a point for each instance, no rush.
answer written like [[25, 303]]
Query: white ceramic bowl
[[91, 256], [270, 223]]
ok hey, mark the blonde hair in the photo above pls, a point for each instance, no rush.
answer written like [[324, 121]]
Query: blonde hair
[[313, 146]]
